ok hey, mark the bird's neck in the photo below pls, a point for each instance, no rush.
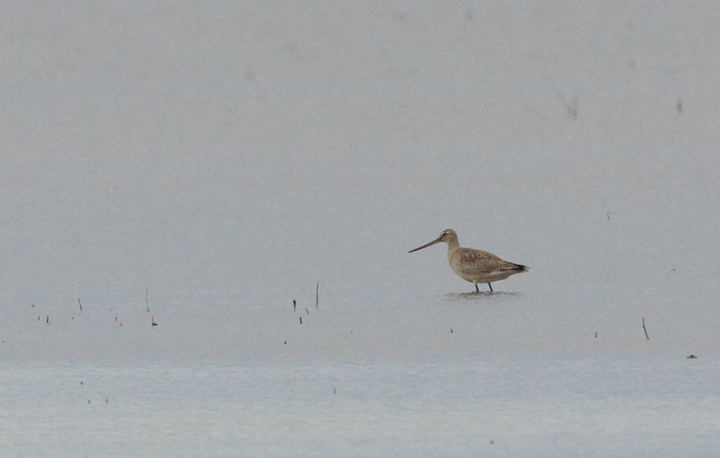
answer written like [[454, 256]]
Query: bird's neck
[[452, 246]]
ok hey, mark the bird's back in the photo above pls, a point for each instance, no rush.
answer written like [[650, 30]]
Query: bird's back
[[480, 266]]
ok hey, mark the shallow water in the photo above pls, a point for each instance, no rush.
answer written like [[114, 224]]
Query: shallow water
[[500, 407], [201, 166]]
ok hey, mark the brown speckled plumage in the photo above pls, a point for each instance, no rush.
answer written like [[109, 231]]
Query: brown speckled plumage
[[475, 266]]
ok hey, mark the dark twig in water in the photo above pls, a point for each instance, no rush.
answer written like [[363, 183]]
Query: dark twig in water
[[80, 304], [294, 306], [572, 108], [147, 307], [317, 294], [308, 311], [646, 334], [153, 323], [300, 320]]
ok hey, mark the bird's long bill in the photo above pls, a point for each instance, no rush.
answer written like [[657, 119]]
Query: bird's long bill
[[425, 246]]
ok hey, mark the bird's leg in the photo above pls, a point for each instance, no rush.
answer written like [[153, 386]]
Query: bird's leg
[[477, 289], [491, 290]]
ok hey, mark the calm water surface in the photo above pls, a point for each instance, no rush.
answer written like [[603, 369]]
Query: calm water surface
[[220, 161]]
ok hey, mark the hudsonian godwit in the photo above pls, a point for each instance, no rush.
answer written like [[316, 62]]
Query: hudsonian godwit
[[475, 266]]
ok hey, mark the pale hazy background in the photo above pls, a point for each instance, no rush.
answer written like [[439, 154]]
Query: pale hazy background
[[228, 156]]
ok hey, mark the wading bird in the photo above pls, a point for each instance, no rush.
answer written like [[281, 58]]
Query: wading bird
[[475, 266]]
